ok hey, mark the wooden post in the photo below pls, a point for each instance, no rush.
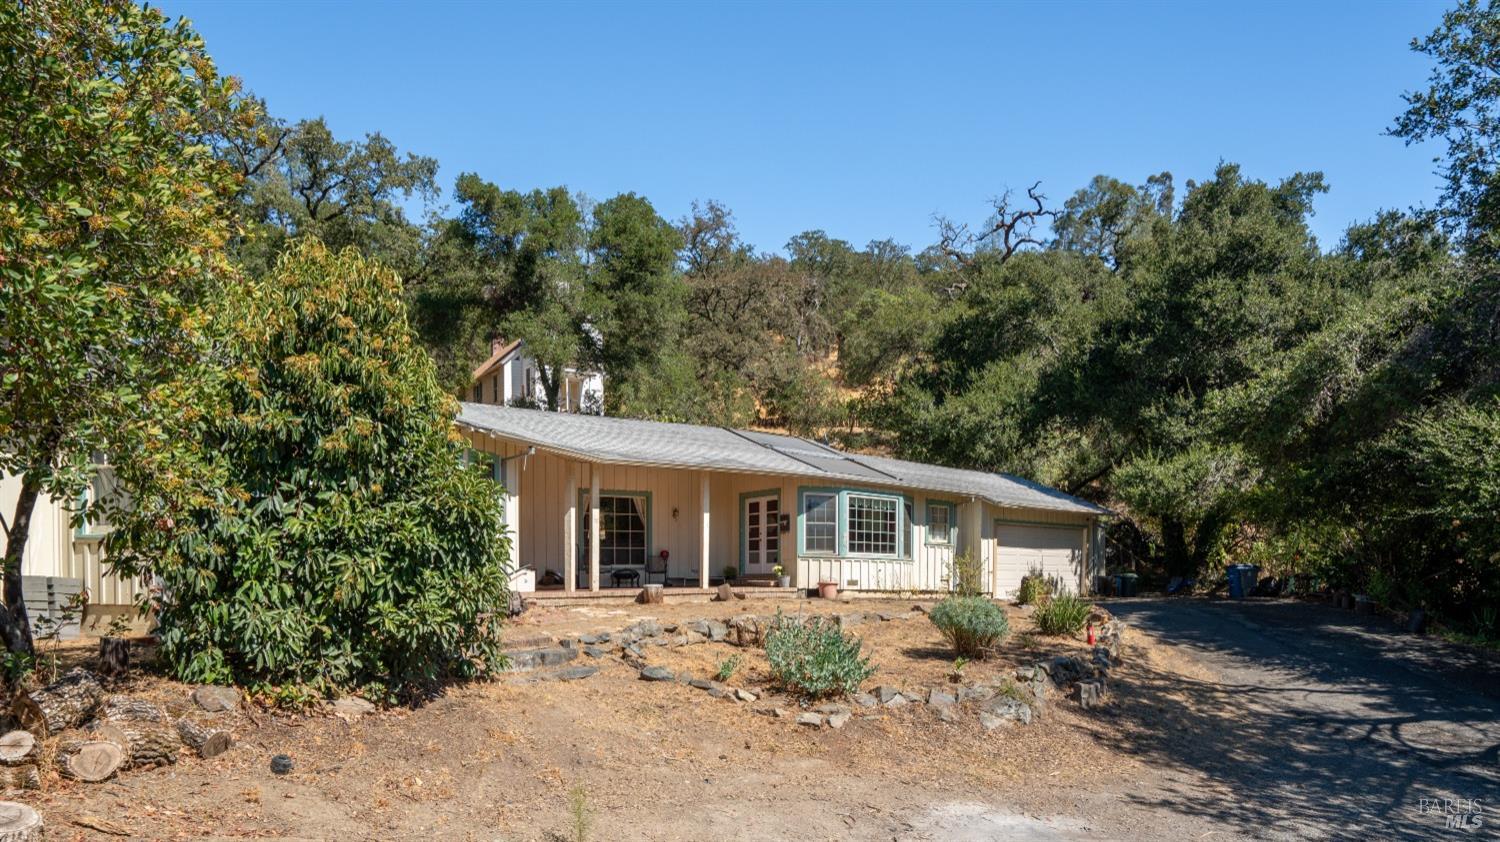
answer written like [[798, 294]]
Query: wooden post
[[570, 530], [511, 476], [704, 536], [596, 524]]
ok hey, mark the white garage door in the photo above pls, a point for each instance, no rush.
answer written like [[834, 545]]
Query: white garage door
[[1054, 551]]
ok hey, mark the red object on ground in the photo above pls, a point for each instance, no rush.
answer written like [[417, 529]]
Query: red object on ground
[[1091, 634]]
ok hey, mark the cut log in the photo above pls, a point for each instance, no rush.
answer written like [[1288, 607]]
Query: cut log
[[114, 655], [143, 742], [90, 761], [117, 706], [652, 595], [60, 705], [20, 777], [204, 739], [17, 748], [19, 823]]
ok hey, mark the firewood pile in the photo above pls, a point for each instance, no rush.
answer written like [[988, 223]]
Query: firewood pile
[[88, 734]]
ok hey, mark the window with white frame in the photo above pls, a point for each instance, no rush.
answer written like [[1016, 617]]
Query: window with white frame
[[939, 523], [873, 525], [820, 523]]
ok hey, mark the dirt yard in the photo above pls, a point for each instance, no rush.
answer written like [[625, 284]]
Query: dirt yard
[[511, 759]]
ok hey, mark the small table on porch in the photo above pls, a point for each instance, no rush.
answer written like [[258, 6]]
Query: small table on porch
[[618, 576]]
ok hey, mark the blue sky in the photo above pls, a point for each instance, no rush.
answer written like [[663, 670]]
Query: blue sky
[[863, 120]]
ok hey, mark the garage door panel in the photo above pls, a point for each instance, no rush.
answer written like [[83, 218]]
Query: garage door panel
[[1054, 551]]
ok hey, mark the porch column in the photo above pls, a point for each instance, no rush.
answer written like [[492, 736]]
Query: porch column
[[704, 535], [596, 526], [512, 480], [570, 530]]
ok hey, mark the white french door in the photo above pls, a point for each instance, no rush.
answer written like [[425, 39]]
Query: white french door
[[762, 539]]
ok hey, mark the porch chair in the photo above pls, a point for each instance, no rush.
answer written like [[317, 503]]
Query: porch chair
[[656, 566]]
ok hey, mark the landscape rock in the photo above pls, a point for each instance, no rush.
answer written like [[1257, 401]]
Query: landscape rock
[[656, 674], [216, 699], [814, 720], [717, 631], [744, 695], [530, 659], [644, 628], [940, 698], [948, 714], [570, 674], [1089, 694], [886, 693], [865, 700], [591, 639], [699, 626], [898, 701], [350, 707], [1005, 707], [702, 683], [533, 640], [595, 651], [831, 708], [838, 720], [851, 619], [887, 616], [977, 693]]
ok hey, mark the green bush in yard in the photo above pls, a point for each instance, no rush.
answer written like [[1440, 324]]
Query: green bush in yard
[[815, 658], [1034, 589], [972, 625], [346, 544], [1062, 615]]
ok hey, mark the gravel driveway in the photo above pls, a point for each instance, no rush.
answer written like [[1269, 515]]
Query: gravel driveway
[[1320, 725]]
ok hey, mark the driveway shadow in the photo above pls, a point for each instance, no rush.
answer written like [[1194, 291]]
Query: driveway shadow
[[1312, 726]]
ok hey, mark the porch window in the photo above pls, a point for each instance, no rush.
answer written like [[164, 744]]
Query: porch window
[[939, 523], [820, 523], [873, 525], [622, 542]]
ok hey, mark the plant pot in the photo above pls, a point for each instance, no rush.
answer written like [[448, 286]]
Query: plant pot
[[828, 590], [784, 582]]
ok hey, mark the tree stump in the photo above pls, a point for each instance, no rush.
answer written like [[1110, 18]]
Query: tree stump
[[60, 705], [20, 777], [17, 748], [19, 823], [653, 595], [114, 655], [90, 761], [206, 740]]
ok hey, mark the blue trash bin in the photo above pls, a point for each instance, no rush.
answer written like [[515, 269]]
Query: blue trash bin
[[1242, 578]]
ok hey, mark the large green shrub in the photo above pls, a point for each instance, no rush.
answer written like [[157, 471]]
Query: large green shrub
[[972, 625], [346, 546], [814, 657], [1062, 615]]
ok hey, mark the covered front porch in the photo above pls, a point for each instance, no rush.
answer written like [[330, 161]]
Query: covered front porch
[[578, 526]]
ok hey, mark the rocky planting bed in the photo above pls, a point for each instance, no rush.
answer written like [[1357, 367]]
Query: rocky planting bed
[[690, 651]]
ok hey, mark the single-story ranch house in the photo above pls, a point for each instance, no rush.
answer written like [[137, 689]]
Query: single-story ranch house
[[595, 502]]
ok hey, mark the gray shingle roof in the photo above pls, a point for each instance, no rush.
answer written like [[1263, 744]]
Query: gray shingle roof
[[626, 441]]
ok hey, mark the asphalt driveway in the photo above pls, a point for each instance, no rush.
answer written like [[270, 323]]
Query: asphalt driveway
[[1319, 724]]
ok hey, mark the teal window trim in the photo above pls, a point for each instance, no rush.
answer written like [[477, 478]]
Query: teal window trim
[[745, 528], [587, 511], [904, 525], [479, 457], [952, 510], [838, 519], [86, 530]]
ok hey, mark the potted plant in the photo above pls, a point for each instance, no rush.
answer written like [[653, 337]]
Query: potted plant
[[782, 580], [828, 589]]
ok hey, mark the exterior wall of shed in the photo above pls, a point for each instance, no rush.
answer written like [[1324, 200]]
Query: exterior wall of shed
[[54, 549]]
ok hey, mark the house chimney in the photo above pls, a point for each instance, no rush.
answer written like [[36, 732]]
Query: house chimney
[[496, 344]]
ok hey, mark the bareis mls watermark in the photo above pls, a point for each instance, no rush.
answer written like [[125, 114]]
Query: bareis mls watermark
[[1456, 813]]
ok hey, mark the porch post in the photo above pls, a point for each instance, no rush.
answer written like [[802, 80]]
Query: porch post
[[512, 479], [703, 530], [595, 526], [570, 530]]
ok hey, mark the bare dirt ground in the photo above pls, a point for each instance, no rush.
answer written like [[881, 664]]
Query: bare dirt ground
[[657, 761]]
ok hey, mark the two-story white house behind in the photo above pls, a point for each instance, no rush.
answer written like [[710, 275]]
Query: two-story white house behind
[[510, 376]]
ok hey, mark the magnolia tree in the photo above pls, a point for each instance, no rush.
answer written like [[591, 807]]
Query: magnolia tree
[[113, 222], [347, 544]]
